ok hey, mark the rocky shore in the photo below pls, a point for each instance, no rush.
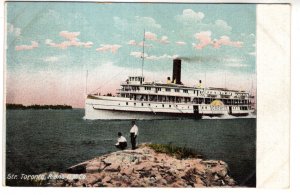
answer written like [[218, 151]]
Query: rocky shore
[[143, 167]]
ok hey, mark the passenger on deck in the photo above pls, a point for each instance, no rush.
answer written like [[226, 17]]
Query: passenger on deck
[[122, 142]]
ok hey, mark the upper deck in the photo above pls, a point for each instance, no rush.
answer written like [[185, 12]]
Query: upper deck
[[137, 85]]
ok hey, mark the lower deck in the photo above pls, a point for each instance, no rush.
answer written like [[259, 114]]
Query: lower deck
[[116, 108]]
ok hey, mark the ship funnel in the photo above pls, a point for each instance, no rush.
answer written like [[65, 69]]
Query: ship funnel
[[176, 71]]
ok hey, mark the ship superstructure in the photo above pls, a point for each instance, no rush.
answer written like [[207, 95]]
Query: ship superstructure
[[139, 99]]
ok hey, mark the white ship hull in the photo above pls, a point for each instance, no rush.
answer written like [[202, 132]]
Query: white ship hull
[[93, 114], [116, 108]]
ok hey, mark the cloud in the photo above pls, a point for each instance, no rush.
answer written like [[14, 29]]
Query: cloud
[[72, 40], [52, 58], [164, 40], [189, 16], [153, 37], [193, 21], [252, 53], [107, 47], [180, 43], [150, 36], [225, 40], [165, 56], [147, 21], [137, 22], [223, 25], [72, 36], [249, 39], [138, 54], [205, 39], [251, 35], [134, 43], [120, 23], [33, 45], [237, 65], [13, 30], [234, 62]]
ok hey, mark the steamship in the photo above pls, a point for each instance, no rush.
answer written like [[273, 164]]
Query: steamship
[[139, 99]]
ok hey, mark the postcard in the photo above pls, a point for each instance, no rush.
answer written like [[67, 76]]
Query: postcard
[[142, 94]]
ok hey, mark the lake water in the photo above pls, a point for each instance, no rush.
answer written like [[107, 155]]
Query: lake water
[[52, 140]]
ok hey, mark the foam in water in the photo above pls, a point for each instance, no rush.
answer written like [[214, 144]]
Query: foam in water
[[227, 116]]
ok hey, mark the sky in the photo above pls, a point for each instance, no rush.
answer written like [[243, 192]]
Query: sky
[[53, 48]]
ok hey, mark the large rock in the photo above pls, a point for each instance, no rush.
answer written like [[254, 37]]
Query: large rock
[[113, 168], [144, 167]]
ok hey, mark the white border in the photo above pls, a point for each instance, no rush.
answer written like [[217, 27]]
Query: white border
[[295, 144], [2, 46], [177, 1], [273, 99], [295, 103]]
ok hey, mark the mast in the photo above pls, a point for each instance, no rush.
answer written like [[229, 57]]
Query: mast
[[251, 90], [86, 76], [225, 79], [204, 80], [143, 56]]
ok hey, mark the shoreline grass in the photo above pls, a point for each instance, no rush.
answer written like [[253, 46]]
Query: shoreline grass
[[176, 151]]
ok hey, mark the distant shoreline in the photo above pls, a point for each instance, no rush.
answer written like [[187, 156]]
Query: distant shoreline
[[37, 107]]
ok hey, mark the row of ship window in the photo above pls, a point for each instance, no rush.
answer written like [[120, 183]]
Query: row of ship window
[[166, 89], [184, 91], [202, 107], [184, 99], [241, 107], [142, 104], [136, 79]]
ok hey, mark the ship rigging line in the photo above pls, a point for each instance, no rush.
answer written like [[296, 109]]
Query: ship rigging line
[[177, 108], [111, 79], [143, 58], [143, 55]]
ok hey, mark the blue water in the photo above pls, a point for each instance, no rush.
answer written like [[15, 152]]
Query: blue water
[[52, 140]]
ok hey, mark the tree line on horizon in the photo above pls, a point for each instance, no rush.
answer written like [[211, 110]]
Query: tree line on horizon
[[37, 107]]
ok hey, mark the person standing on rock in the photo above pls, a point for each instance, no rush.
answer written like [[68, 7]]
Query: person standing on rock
[[122, 142], [133, 135]]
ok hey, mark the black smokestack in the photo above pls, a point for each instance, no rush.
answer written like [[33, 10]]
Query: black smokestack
[[177, 71]]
